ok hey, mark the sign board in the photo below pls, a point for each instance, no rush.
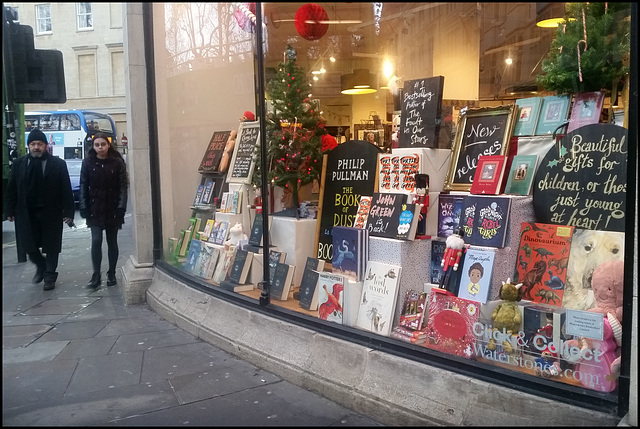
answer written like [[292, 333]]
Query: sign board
[[243, 161], [420, 113]]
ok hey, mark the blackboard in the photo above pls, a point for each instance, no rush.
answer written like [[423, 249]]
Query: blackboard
[[348, 172], [582, 181], [213, 154], [243, 161], [420, 113], [483, 131]]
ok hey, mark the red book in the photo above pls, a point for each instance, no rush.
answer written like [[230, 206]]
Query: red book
[[489, 173]]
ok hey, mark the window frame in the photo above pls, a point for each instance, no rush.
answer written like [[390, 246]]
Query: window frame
[[43, 19], [88, 16]]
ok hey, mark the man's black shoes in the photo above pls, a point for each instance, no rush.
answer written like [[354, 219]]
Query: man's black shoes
[[38, 277], [95, 281], [49, 285]]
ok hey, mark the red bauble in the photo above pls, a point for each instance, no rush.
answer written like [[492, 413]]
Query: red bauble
[[311, 12]]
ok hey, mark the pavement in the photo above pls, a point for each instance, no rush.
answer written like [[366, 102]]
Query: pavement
[[78, 357]]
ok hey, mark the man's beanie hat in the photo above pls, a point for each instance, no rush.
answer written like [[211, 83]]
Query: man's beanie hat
[[36, 134]]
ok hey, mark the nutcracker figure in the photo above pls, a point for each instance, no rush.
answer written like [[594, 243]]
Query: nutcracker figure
[[454, 250]]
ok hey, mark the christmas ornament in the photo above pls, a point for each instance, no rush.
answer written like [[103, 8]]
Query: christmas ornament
[[245, 15], [290, 54], [307, 21]]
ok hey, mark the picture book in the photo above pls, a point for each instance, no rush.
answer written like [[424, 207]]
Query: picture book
[[553, 113], [240, 267], [541, 264], [586, 109], [207, 194], [213, 154], [379, 296], [449, 212], [198, 197], [450, 324], [192, 256], [413, 310], [384, 215], [528, 111], [364, 205], [222, 232], [223, 267], [308, 289], [490, 221], [208, 227], [209, 258], [489, 173], [476, 270], [408, 222], [520, 178], [330, 297], [282, 279], [437, 254], [346, 250]]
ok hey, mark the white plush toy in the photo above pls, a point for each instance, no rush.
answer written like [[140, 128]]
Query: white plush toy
[[236, 234]]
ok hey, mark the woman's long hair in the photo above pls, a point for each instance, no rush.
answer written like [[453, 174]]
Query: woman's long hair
[[112, 151]]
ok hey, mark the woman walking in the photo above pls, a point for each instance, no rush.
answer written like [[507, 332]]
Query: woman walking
[[104, 184]]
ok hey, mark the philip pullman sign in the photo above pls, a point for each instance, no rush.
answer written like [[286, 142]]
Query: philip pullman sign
[[582, 182]]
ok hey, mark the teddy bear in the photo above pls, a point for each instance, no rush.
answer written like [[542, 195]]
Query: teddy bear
[[506, 316], [235, 235]]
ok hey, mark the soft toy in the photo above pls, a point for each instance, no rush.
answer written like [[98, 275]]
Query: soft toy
[[506, 316], [454, 248], [547, 364], [236, 234]]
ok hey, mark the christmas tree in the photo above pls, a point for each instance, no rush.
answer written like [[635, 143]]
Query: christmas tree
[[294, 131], [590, 50]]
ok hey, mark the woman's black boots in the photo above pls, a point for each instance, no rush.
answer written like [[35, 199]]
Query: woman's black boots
[[111, 278], [95, 281]]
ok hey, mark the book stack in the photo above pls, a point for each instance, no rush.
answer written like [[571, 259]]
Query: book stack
[[282, 280], [411, 324]]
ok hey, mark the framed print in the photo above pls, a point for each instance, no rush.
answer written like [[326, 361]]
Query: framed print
[[528, 110], [553, 113], [483, 131], [586, 109]]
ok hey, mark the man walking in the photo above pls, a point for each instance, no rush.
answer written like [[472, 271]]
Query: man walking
[[39, 198]]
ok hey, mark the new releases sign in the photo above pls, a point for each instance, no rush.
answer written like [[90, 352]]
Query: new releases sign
[[348, 172], [582, 182]]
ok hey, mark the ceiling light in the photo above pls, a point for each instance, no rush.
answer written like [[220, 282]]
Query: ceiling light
[[332, 59], [358, 82], [552, 22]]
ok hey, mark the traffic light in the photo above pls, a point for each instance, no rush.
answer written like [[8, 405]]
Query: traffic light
[[32, 75]]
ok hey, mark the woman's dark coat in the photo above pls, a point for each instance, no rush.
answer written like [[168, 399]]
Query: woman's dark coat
[[104, 185], [58, 203]]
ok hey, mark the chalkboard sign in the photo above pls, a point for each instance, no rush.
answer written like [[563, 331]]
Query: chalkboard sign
[[484, 131], [582, 181], [420, 113], [243, 162], [213, 154], [348, 172]]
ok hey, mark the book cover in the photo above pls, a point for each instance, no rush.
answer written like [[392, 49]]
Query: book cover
[[224, 201], [257, 230], [490, 220], [207, 194], [282, 279], [553, 113], [192, 257], [384, 215], [586, 109], [222, 232], [413, 310], [520, 178], [198, 197], [181, 246], [213, 154], [364, 205], [408, 222], [240, 266], [213, 234], [541, 264], [489, 173], [449, 213], [379, 296], [476, 271], [437, 254], [221, 272], [450, 324], [208, 227], [528, 111], [210, 255], [330, 297], [275, 256], [308, 291], [346, 250]]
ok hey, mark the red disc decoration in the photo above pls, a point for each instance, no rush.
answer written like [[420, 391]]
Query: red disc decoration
[[311, 30], [245, 15]]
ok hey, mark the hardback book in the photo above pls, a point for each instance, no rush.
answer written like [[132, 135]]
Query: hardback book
[[275, 257], [528, 111], [553, 113], [586, 109], [282, 279], [236, 198], [476, 270], [222, 232], [240, 266], [489, 173], [208, 227], [308, 291], [413, 310], [194, 227], [437, 254], [207, 194], [330, 297], [213, 154], [209, 259], [413, 333], [235, 287], [213, 234], [450, 325], [449, 213], [224, 201], [408, 222], [384, 215], [520, 178], [192, 256], [379, 297], [173, 246], [362, 214], [408, 336], [198, 197], [223, 267], [346, 242], [257, 230], [541, 264], [490, 221], [184, 241]]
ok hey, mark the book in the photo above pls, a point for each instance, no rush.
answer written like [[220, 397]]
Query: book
[[490, 221], [520, 178], [198, 197], [282, 279], [207, 194], [192, 256], [257, 230], [384, 215], [411, 333], [413, 310], [222, 232], [184, 241], [553, 113], [236, 287], [346, 250], [308, 290], [450, 324], [362, 214], [476, 270], [419, 337], [330, 297], [542, 259], [449, 213], [213, 154], [240, 266], [221, 272], [379, 296], [194, 227], [528, 111], [275, 257], [408, 222], [209, 255], [488, 176], [437, 254], [586, 109], [208, 227]]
